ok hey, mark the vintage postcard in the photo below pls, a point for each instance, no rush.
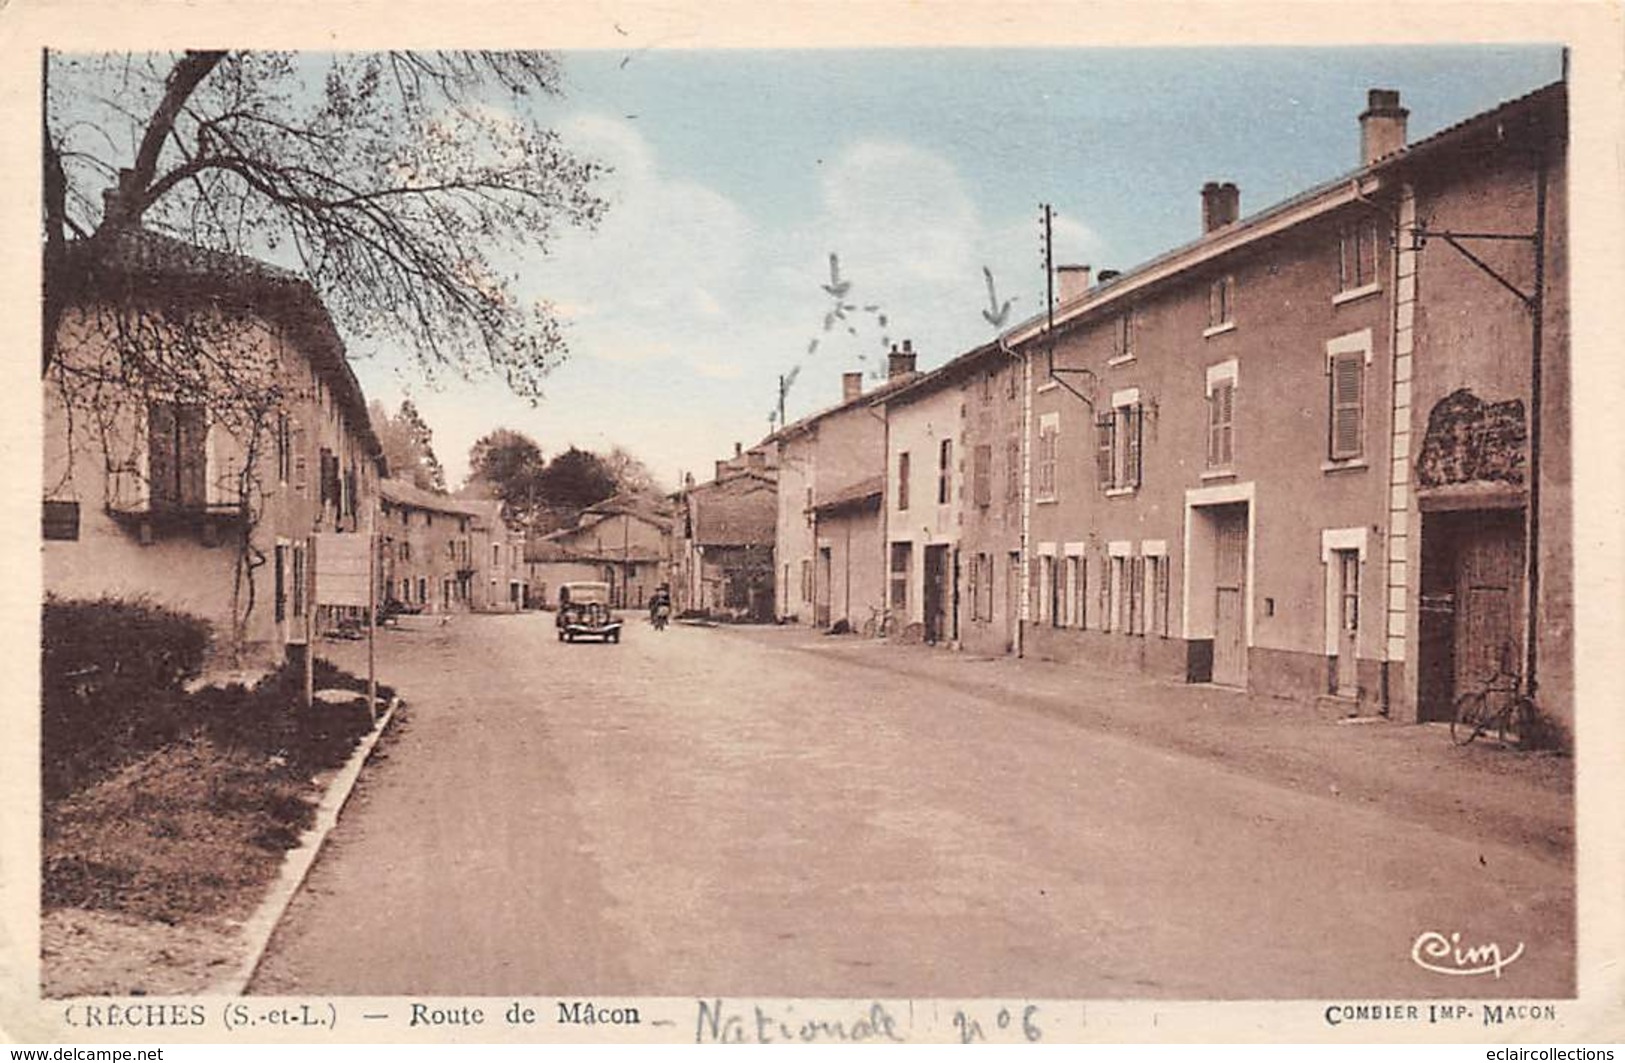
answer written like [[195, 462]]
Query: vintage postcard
[[840, 523]]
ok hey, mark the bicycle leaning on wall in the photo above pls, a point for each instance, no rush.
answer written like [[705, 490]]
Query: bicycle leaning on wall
[[1500, 705]]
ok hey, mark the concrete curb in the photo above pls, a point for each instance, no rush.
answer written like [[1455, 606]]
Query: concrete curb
[[296, 865]]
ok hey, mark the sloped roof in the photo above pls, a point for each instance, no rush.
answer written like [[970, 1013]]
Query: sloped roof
[[803, 424], [130, 259], [402, 493], [1263, 223], [653, 510], [741, 510], [856, 496]]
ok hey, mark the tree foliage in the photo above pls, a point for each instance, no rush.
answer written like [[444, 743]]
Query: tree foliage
[[408, 445], [576, 479], [406, 187]]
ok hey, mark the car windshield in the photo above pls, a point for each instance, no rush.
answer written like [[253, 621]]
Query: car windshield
[[588, 593]]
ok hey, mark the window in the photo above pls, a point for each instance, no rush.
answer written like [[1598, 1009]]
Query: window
[[60, 521], [496, 553], [982, 475], [1012, 471], [1012, 380], [298, 596], [406, 550], [331, 486], [900, 563], [1049, 431], [1046, 589], [1118, 589], [284, 448], [975, 586], [1118, 433], [177, 437], [1156, 588], [945, 462], [987, 387], [1346, 403], [1123, 337], [1221, 296], [806, 579], [902, 480], [279, 576], [987, 586], [1072, 609], [1221, 411], [423, 590], [1357, 256]]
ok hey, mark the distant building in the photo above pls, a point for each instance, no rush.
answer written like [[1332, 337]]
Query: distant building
[[724, 557], [624, 541], [428, 546], [197, 484], [829, 541]]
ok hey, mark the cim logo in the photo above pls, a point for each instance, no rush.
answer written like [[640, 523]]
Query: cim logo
[[1435, 952]]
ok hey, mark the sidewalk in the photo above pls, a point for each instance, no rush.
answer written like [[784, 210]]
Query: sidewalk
[[1413, 772]]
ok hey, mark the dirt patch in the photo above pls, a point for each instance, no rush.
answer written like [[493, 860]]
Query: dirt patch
[[85, 953]]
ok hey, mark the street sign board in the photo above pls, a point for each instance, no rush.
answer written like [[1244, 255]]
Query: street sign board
[[342, 574]]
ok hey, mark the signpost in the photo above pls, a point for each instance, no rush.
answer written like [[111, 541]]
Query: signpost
[[345, 577]]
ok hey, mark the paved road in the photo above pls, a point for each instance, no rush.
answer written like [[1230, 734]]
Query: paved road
[[694, 811]]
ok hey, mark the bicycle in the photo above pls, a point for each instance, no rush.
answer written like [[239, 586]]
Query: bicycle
[[878, 626], [1499, 705]]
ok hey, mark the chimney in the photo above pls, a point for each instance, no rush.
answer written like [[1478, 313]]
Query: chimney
[[1109, 275], [851, 386], [722, 469], [1221, 205], [1382, 126], [738, 449], [900, 363], [1071, 282]]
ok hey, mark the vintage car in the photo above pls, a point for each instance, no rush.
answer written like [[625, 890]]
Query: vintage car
[[584, 613]]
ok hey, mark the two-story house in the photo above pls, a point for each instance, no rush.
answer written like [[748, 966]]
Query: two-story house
[[201, 422]]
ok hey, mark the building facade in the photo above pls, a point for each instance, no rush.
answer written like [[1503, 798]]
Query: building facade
[[924, 444], [829, 543], [1322, 451], [196, 482], [724, 564]]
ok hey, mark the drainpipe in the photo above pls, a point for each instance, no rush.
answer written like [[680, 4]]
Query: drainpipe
[[1537, 316]]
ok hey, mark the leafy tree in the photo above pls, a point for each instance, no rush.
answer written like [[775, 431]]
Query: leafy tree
[[576, 479], [404, 185], [408, 445], [631, 474], [508, 465]]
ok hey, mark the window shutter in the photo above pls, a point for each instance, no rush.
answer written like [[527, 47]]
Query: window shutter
[[162, 488], [1228, 413], [1136, 420], [1348, 404], [1105, 427]]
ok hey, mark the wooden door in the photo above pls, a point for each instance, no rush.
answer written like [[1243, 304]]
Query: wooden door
[[1489, 604], [1012, 601], [936, 581], [1230, 589], [821, 588], [1346, 682]]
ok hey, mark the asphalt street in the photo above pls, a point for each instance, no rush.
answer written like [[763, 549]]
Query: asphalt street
[[693, 811]]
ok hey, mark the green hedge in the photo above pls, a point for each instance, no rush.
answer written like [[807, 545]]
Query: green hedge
[[112, 676]]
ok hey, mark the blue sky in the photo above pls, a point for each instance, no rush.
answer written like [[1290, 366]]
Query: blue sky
[[737, 173]]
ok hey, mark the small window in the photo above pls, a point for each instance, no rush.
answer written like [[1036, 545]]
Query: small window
[[1221, 407], [902, 480], [1049, 433], [1220, 301], [61, 521], [1012, 471], [1123, 337], [982, 475], [945, 462], [1118, 434], [1347, 406], [1357, 256]]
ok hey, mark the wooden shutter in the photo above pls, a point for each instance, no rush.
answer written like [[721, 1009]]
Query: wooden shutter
[[1348, 405], [1105, 429], [163, 473], [1221, 416], [192, 444], [1135, 418]]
